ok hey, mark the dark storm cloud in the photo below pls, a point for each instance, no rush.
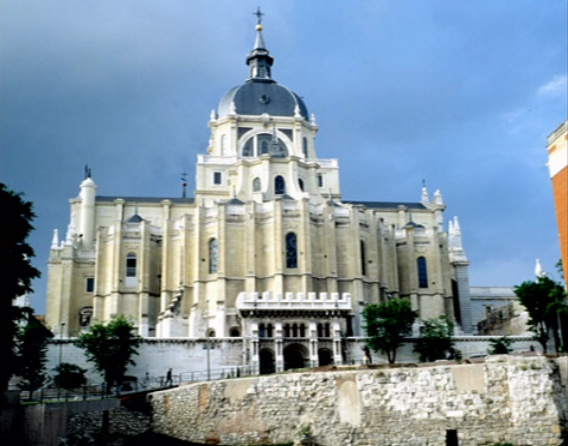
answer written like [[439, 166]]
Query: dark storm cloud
[[462, 94]]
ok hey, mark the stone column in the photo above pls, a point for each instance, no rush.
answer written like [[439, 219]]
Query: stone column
[[278, 343], [314, 358], [254, 349], [336, 329]]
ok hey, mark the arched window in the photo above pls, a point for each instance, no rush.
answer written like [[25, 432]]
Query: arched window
[[422, 272], [295, 330], [305, 147], [261, 331], [279, 185], [269, 331], [256, 185], [363, 259], [213, 255], [265, 144], [131, 265], [234, 332], [301, 184], [248, 149], [291, 250]]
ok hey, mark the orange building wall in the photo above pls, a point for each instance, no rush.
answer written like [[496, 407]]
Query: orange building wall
[[560, 190], [558, 165]]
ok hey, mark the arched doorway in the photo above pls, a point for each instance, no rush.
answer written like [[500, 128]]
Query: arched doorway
[[295, 356], [325, 356], [266, 357]]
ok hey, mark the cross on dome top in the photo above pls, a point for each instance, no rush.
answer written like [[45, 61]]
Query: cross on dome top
[[258, 15]]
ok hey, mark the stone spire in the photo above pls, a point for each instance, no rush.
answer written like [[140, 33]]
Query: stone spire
[[70, 231], [438, 197], [425, 198], [259, 60], [538, 271], [457, 253], [55, 239]]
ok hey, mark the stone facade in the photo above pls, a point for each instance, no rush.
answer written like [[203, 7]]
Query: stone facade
[[267, 248], [517, 400]]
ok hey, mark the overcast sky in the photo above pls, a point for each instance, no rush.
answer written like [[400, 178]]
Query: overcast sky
[[462, 94]]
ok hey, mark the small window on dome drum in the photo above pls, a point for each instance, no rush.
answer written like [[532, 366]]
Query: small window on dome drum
[[248, 149]]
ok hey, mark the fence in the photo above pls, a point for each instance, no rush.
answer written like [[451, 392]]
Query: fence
[[130, 385]]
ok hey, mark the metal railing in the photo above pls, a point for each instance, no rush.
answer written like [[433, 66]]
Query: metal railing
[[52, 393]]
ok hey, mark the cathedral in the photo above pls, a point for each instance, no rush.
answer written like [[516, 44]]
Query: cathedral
[[266, 252]]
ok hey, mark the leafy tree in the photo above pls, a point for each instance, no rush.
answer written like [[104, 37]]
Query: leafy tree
[[387, 324], [110, 348], [31, 357], [500, 346], [69, 376], [560, 268], [16, 274], [545, 301], [435, 340]]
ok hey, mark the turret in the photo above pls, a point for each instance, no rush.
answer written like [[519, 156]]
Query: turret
[[87, 222]]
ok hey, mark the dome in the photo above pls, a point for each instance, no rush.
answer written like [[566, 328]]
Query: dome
[[258, 97], [260, 93]]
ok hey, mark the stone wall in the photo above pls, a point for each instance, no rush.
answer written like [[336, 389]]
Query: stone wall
[[188, 357], [514, 399]]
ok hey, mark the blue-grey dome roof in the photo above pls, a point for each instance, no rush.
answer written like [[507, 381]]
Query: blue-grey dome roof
[[257, 97], [260, 93]]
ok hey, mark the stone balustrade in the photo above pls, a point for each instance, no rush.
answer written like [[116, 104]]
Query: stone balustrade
[[294, 301]]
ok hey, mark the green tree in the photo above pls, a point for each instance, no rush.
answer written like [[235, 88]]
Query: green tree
[[387, 324], [545, 301], [69, 376], [560, 268], [499, 346], [31, 358], [436, 341], [110, 348], [16, 274]]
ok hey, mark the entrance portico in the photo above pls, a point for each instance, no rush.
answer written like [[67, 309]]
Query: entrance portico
[[293, 330]]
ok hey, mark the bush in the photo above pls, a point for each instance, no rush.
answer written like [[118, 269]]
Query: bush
[[435, 340], [500, 346], [69, 376]]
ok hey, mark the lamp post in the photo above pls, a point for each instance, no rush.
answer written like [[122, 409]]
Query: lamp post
[[61, 343], [208, 357]]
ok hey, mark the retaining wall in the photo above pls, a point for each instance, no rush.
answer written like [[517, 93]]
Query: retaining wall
[[508, 399]]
